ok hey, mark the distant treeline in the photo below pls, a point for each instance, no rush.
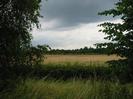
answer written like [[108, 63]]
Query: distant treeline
[[83, 51]]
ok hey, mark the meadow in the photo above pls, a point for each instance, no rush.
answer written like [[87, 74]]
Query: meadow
[[70, 89], [80, 58], [72, 77]]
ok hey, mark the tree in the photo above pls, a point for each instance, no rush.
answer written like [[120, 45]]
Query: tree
[[120, 34], [17, 18]]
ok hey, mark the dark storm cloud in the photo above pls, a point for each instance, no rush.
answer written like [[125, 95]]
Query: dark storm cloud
[[74, 12]]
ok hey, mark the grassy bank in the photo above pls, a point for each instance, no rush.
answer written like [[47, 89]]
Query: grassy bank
[[70, 89]]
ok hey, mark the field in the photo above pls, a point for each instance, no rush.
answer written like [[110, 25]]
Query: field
[[79, 58], [73, 77], [71, 89]]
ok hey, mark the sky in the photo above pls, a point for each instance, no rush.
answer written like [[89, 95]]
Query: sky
[[72, 24]]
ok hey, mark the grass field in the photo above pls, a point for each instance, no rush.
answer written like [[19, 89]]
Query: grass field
[[79, 58], [71, 89], [72, 77]]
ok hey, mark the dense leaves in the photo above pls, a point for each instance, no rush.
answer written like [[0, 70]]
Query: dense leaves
[[120, 34], [17, 17]]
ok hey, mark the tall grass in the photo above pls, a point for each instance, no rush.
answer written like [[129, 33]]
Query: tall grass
[[71, 81], [115, 70], [73, 70], [70, 89]]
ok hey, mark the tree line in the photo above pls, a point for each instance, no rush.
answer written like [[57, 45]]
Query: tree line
[[80, 51]]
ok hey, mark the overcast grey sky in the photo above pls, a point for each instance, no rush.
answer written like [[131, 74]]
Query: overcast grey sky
[[70, 24]]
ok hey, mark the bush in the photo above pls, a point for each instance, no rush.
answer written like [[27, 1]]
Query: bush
[[121, 70]]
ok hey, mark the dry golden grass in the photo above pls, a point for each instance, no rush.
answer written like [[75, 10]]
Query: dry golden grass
[[79, 58]]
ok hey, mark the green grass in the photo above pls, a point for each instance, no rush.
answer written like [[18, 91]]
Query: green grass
[[71, 81], [76, 64], [73, 70], [70, 89], [118, 71]]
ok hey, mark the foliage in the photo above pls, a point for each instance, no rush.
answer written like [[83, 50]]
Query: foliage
[[83, 51], [35, 54], [33, 57], [16, 20], [120, 34], [76, 70], [67, 70], [121, 71]]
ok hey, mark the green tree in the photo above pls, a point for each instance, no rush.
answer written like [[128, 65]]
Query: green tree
[[17, 18], [120, 35]]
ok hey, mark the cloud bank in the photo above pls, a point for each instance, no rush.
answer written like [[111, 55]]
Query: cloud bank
[[70, 13], [71, 24]]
